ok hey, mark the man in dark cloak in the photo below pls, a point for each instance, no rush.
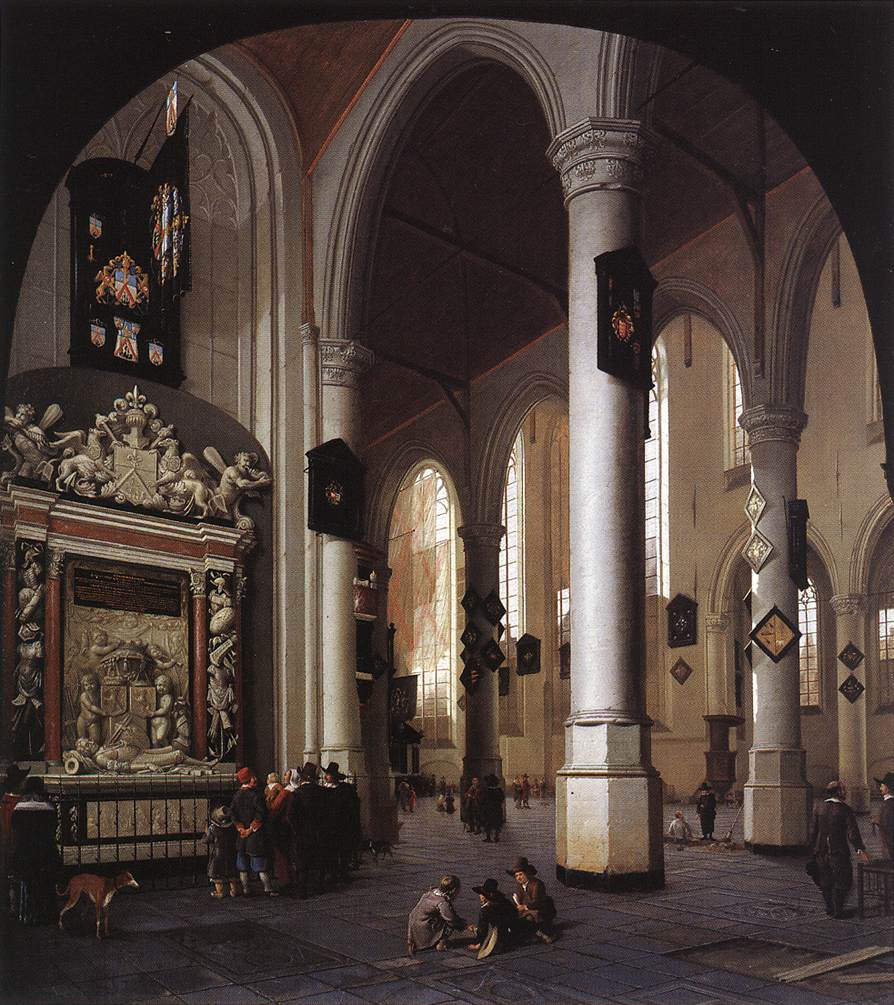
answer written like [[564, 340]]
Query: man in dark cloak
[[832, 826]]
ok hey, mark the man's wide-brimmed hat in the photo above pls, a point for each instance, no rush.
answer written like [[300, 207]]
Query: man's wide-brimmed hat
[[14, 777], [522, 865], [309, 771], [888, 780], [488, 888], [332, 769]]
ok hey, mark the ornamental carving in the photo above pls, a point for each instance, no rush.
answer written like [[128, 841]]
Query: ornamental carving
[[27, 701], [768, 423], [343, 363], [599, 154], [130, 456], [845, 604], [221, 694]]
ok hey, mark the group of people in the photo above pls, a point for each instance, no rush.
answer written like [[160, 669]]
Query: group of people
[[484, 807], [706, 810], [287, 834], [502, 923]]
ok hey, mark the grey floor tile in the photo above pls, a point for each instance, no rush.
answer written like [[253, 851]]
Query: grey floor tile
[[286, 989], [183, 980], [406, 992], [229, 994], [728, 981], [135, 988], [351, 976]]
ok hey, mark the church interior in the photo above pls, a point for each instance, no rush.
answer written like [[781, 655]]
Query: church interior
[[494, 398]]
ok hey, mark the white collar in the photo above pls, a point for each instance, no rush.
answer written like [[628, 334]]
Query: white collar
[[889, 795], [833, 799]]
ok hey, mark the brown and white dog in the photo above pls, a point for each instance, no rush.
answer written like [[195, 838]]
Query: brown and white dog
[[100, 889]]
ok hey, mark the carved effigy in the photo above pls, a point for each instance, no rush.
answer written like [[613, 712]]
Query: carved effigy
[[130, 456], [130, 716], [27, 702], [222, 704]]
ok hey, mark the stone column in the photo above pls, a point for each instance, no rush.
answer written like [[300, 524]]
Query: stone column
[[383, 806], [343, 364], [720, 671], [608, 795], [310, 341], [198, 592], [52, 681], [8, 644], [776, 793], [850, 628], [481, 547]]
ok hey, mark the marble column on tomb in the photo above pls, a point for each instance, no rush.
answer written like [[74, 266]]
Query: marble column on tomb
[[850, 633], [343, 364], [52, 680], [310, 342], [776, 794], [720, 674], [608, 794], [7, 644], [198, 591], [481, 549]]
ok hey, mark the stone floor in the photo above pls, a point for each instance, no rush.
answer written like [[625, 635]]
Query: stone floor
[[725, 923]]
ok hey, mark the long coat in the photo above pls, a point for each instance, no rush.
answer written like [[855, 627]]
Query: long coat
[[221, 841], [540, 907], [306, 816], [499, 912], [432, 919], [247, 806], [886, 826], [832, 826], [706, 808], [492, 800]]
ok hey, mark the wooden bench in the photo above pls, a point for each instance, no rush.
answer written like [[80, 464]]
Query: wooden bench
[[877, 878]]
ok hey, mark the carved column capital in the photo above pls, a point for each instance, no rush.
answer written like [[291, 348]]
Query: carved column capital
[[717, 622], [766, 423], [844, 604], [487, 535], [599, 154], [343, 363], [197, 582], [310, 334], [55, 563]]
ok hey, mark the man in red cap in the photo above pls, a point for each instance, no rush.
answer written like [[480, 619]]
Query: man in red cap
[[249, 813]]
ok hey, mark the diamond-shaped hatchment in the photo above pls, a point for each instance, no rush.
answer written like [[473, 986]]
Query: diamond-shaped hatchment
[[680, 671], [851, 656], [755, 505], [757, 550], [851, 688], [774, 634]]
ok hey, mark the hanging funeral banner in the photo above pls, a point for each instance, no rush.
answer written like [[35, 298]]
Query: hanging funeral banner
[[624, 289], [130, 260]]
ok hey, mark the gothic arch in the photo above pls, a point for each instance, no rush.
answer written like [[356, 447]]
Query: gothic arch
[[675, 296], [409, 456], [425, 67], [790, 332], [528, 392], [725, 570], [874, 524]]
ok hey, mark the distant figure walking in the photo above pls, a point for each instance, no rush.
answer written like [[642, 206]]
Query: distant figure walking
[[706, 808], [493, 808], [834, 825], [525, 792]]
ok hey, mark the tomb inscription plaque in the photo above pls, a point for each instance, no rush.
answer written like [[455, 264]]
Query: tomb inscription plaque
[[119, 591]]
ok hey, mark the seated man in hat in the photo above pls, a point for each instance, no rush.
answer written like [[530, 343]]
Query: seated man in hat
[[496, 913], [249, 814], [885, 819], [434, 918], [535, 909]]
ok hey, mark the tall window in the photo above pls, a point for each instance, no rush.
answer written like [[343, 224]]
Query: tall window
[[737, 442], [512, 582], [809, 664], [560, 557], [421, 597], [653, 486], [885, 610]]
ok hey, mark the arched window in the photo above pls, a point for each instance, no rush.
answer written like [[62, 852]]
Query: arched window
[[560, 558], [654, 449], [737, 452], [421, 554], [512, 564], [884, 611], [808, 647]]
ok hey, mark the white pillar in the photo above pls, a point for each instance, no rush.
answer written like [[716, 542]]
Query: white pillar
[[382, 823], [481, 548], [310, 342], [608, 795], [343, 364], [850, 612], [776, 793], [720, 700]]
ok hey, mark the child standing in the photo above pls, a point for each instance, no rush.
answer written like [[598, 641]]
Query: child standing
[[221, 840]]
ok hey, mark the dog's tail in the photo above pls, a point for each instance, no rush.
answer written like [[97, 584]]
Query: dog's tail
[[63, 893]]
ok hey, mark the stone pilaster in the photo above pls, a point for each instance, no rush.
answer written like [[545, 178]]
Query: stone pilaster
[[198, 592], [776, 795], [608, 794], [720, 671], [52, 683], [310, 343], [343, 364], [481, 547], [850, 628]]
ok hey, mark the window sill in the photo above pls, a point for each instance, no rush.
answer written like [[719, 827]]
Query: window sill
[[734, 477], [811, 710]]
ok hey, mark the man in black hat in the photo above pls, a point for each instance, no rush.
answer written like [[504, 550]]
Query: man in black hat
[[885, 819], [493, 808], [342, 816], [834, 825], [305, 823], [706, 808], [496, 914], [536, 910]]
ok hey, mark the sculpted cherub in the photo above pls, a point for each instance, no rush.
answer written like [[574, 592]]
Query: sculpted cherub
[[236, 480], [26, 440]]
